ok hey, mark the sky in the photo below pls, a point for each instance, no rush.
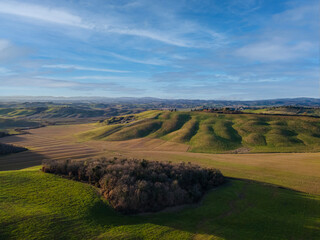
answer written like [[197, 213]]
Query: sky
[[190, 49]]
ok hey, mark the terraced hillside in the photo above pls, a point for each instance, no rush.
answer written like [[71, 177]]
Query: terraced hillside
[[217, 133]]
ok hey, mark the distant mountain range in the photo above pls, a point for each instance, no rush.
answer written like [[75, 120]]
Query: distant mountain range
[[178, 103]]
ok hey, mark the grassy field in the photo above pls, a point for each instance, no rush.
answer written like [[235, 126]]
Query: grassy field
[[218, 133], [286, 110], [35, 205], [298, 171]]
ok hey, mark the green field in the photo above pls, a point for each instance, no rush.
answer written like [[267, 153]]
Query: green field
[[218, 133], [35, 205], [315, 111]]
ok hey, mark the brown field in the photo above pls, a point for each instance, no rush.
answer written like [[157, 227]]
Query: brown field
[[299, 171], [55, 142]]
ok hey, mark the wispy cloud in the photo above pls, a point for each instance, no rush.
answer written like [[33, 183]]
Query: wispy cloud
[[42, 13], [151, 34], [113, 24], [152, 61], [42, 82], [288, 36], [112, 78], [167, 48], [76, 67]]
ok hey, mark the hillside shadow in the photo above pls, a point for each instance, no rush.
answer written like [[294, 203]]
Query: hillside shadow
[[239, 209], [18, 161]]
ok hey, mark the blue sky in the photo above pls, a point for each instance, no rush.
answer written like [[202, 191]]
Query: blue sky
[[195, 49]]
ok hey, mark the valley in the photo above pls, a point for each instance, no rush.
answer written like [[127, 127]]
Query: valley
[[297, 171]]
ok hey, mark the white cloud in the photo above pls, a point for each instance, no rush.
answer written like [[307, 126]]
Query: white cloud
[[275, 51], [76, 67], [42, 13]]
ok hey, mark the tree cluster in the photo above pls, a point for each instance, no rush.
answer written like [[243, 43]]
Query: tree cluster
[[8, 148], [4, 134], [135, 186]]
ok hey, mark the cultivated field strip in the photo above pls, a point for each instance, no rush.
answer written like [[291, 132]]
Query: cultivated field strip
[[36, 154], [45, 144]]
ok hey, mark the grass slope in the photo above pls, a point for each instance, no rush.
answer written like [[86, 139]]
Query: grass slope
[[51, 112], [289, 110], [218, 133], [35, 205], [13, 126], [10, 124]]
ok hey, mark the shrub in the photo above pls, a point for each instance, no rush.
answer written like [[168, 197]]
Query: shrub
[[134, 186]]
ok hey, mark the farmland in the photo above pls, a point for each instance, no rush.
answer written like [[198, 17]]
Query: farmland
[[274, 195], [35, 205], [298, 171], [43, 143]]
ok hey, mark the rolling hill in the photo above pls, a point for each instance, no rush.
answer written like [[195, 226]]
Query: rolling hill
[[287, 110], [12, 126], [55, 111], [217, 133]]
